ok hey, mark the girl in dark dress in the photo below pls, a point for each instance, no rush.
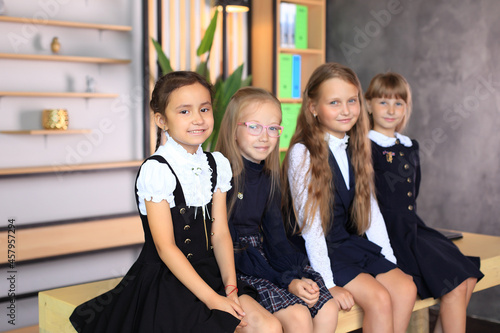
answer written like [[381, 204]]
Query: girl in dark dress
[[438, 267], [265, 259], [184, 279], [330, 184]]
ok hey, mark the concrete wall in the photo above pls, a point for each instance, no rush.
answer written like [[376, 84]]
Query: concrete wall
[[448, 51]]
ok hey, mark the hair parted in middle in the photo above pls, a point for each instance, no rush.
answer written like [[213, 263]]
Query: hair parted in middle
[[227, 145], [391, 85], [310, 133]]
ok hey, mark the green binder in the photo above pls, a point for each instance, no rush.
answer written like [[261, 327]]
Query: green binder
[[285, 76], [290, 113], [301, 27]]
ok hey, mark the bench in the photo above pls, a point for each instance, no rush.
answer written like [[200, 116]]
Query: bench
[[55, 306]]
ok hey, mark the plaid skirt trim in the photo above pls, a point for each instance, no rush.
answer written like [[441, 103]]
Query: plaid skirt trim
[[272, 297]]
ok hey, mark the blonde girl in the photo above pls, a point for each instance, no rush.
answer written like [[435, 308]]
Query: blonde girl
[[437, 266], [328, 179], [287, 286]]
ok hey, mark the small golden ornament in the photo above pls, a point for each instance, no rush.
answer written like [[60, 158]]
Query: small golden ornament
[[55, 46], [240, 195], [55, 119]]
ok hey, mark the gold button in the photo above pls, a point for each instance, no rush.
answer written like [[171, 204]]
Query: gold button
[[211, 247], [182, 210], [397, 141], [406, 166], [401, 153], [187, 241], [410, 194], [408, 180], [187, 227], [211, 234], [213, 219], [189, 255], [410, 207]]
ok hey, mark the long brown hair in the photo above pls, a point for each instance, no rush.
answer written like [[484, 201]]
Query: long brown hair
[[227, 145], [166, 85], [391, 85], [309, 132]]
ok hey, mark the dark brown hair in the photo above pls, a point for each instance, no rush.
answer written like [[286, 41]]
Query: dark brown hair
[[169, 83]]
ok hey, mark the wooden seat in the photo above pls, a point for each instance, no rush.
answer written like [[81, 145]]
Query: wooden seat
[[55, 306]]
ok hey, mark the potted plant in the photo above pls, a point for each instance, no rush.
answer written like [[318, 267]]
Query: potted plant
[[224, 88]]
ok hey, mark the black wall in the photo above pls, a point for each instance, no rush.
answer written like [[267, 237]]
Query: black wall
[[449, 51]]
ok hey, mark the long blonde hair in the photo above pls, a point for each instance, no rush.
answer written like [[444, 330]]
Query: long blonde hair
[[226, 142], [391, 85], [309, 132]]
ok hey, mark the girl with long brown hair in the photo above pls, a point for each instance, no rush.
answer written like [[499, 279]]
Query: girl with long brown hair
[[328, 180], [287, 286]]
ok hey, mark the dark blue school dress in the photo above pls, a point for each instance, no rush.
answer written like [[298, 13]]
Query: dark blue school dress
[[150, 298], [436, 264], [349, 253], [264, 257]]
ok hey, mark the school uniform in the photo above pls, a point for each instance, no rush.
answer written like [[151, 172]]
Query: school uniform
[[436, 264], [150, 298], [340, 254], [264, 257]]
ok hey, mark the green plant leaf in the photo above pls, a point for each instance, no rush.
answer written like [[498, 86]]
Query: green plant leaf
[[208, 38], [162, 58], [203, 70]]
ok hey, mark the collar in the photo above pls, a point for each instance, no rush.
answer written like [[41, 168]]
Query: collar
[[385, 141], [335, 143], [172, 151]]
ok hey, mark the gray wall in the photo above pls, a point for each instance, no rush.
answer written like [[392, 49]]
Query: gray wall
[[448, 50]]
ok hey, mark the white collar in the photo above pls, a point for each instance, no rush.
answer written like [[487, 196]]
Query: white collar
[[335, 143], [385, 141]]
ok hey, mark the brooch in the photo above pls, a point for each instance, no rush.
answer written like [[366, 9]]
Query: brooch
[[240, 195], [389, 155]]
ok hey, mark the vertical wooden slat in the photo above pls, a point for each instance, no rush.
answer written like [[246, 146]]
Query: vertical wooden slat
[[240, 40], [172, 32], [182, 34], [194, 40], [230, 43]]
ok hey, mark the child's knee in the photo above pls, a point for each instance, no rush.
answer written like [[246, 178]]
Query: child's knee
[[327, 316], [299, 317]]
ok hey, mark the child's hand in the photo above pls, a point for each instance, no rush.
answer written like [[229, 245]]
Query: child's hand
[[305, 289], [342, 297], [234, 297], [227, 304]]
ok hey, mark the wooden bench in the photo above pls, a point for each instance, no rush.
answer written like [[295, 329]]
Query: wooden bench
[[55, 306]]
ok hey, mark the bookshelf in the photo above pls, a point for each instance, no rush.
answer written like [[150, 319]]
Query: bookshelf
[[267, 48]]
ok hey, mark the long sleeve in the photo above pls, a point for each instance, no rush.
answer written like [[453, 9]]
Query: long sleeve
[[377, 232], [313, 235]]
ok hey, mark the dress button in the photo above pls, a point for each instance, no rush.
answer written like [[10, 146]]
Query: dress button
[[408, 180], [407, 166], [211, 247], [182, 210], [398, 142], [410, 194], [401, 153], [187, 241], [187, 227], [410, 207], [189, 255], [211, 234]]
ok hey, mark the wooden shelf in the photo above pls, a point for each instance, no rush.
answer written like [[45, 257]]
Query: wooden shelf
[[65, 23], [290, 100], [56, 94], [301, 51], [48, 132], [63, 58], [67, 168]]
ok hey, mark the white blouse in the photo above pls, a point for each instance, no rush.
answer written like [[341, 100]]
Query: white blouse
[[156, 182], [385, 141], [315, 241]]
